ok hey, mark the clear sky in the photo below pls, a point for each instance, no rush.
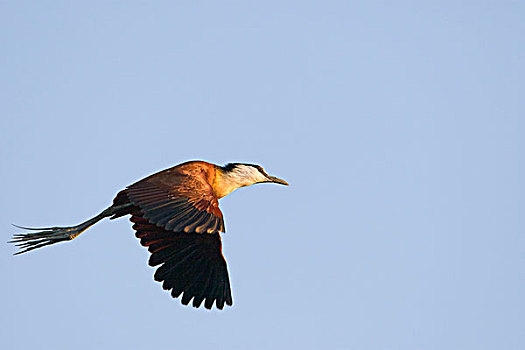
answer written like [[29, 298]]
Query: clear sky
[[399, 126]]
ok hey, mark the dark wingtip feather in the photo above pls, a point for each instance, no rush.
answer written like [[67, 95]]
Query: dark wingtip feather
[[186, 297], [197, 301]]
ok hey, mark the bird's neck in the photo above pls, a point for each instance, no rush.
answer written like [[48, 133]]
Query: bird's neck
[[227, 181]]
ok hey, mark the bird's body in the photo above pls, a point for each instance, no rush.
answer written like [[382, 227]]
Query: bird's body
[[176, 215]]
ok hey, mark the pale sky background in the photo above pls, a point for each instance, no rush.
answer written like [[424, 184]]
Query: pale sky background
[[399, 126]]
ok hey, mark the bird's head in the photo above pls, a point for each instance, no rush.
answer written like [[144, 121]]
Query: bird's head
[[235, 175], [249, 174]]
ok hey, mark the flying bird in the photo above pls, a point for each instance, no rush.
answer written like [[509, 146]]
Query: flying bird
[[176, 215]]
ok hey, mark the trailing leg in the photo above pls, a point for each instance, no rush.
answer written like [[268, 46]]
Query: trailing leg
[[51, 235]]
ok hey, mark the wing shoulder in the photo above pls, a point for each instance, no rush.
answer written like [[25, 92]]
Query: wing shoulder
[[179, 199]]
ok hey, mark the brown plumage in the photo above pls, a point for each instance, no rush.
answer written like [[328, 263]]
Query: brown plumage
[[176, 215]]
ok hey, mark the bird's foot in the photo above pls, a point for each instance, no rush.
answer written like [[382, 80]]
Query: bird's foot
[[46, 236]]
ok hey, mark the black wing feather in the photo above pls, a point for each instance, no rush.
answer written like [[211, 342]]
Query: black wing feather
[[190, 264]]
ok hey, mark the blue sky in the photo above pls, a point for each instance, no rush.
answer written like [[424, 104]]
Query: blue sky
[[398, 125]]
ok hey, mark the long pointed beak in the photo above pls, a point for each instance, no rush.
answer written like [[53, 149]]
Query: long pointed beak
[[277, 180]]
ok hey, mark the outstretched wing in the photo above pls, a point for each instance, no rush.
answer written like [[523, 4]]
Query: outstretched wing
[[176, 216]]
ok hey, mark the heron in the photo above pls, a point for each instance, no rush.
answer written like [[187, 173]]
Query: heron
[[176, 215]]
